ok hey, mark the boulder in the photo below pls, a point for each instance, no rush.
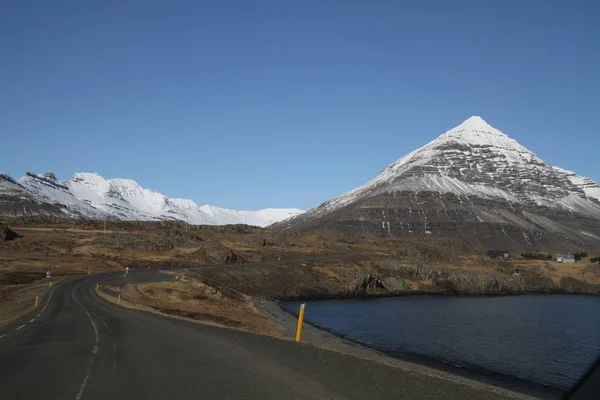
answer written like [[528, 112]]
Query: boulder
[[6, 233]]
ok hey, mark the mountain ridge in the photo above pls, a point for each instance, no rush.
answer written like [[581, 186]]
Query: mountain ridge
[[89, 195]]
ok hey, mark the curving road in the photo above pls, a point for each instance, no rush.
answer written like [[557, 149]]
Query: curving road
[[76, 345]]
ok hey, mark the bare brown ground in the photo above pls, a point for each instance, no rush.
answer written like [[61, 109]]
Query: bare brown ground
[[65, 251]]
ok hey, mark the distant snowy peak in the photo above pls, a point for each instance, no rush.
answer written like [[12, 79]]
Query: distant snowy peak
[[89, 195], [47, 188], [473, 138], [259, 218], [476, 132], [124, 197], [475, 129], [119, 188], [127, 194], [185, 204]]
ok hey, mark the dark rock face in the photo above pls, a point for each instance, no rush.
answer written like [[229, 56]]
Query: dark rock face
[[210, 250], [483, 222], [572, 285], [218, 253], [461, 281], [371, 283], [6, 233], [16, 205], [384, 276], [48, 179], [50, 176], [4, 178], [16, 201], [141, 243]]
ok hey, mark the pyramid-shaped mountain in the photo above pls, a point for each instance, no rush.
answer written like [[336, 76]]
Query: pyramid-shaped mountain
[[474, 183]]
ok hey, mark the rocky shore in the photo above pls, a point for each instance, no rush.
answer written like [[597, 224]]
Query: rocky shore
[[370, 275]]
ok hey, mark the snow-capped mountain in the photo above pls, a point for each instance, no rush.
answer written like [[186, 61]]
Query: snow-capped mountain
[[89, 195], [47, 189], [264, 217], [473, 181]]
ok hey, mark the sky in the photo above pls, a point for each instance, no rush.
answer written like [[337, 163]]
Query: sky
[[256, 104]]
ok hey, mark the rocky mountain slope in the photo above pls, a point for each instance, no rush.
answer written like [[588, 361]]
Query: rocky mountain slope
[[473, 182], [91, 196]]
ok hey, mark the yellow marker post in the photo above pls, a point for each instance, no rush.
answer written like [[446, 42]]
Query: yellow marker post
[[37, 300], [89, 272], [50, 284], [119, 299], [300, 321], [96, 285]]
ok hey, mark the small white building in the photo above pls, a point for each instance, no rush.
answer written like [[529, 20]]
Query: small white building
[[566, 259]]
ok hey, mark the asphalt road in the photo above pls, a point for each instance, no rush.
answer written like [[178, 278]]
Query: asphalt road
[[76, 345]]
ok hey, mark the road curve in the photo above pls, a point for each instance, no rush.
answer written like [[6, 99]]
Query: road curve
[[76, 345]]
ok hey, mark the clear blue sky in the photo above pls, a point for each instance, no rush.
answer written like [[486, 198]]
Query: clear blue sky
[[254, 104]]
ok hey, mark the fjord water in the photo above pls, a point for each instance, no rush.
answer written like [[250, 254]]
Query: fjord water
[[544, 339]]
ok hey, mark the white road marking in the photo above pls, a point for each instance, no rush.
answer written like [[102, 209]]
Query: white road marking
[[95, 349], [47, 302], [107, 328], [39, 314], [103, 323], [1, 336]]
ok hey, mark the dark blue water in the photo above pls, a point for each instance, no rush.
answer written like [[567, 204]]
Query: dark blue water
[[547, 340]]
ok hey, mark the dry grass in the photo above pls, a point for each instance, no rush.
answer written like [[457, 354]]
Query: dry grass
[[17, 300], [551, 269], [193, 300], [65, 230]]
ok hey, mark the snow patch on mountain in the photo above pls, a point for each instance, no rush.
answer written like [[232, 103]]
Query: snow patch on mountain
[[590, 188]]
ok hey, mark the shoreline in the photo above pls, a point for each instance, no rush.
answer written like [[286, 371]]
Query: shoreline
[[469, 375], [335, 296]]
